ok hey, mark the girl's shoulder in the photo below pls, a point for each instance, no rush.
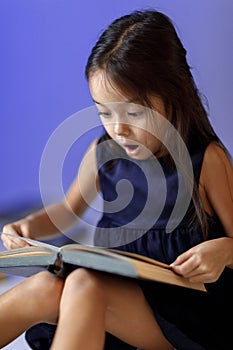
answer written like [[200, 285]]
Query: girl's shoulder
[[216, 182], [216, 157], [217, 165], [210, 158]]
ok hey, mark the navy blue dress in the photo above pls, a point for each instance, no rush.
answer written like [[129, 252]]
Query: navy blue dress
[[139, 216]]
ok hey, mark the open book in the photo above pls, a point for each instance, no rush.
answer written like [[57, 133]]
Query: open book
[[61, 260]]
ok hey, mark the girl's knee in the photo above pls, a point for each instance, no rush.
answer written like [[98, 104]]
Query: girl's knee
[[44, 283], [44, 292], [86, 280]]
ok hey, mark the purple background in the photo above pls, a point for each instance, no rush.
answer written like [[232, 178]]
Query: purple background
[[43, 52]]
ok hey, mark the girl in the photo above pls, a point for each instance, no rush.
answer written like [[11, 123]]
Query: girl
[[143, 88]]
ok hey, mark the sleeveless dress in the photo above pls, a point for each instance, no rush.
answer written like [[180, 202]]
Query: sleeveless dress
[[148, 210]]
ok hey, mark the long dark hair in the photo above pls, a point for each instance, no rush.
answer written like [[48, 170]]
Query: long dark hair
[[142, 55]]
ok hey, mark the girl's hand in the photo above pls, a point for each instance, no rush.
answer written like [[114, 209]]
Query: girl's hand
[[204, 262], [23, 228]]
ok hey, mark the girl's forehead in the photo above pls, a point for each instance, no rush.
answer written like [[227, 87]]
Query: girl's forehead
[[103, 90]]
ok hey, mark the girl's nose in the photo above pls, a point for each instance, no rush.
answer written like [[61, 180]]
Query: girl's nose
[[121, 129]]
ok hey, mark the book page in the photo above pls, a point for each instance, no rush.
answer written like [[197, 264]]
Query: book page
[[145, 268], [118, 254], [34, 242], [98, 250], [142, 258]]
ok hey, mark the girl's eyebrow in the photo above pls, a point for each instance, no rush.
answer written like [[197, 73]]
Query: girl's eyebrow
[[98, 103], [101, 104]]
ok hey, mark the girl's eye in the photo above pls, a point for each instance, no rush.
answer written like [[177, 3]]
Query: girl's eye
[[104, 114], [135, 114]]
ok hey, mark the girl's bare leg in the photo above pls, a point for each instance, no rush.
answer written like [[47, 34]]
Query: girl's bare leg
[[32, 301], [93, 303]]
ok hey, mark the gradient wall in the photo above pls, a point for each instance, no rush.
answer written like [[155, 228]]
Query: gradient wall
[[43, 52]]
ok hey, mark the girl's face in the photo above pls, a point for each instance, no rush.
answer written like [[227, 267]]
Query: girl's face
[[134, 127]]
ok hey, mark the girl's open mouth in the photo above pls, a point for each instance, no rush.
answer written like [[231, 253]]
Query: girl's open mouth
[[132, 150]]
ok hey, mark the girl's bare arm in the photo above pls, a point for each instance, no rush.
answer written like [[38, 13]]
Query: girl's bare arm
[[206, 261]]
